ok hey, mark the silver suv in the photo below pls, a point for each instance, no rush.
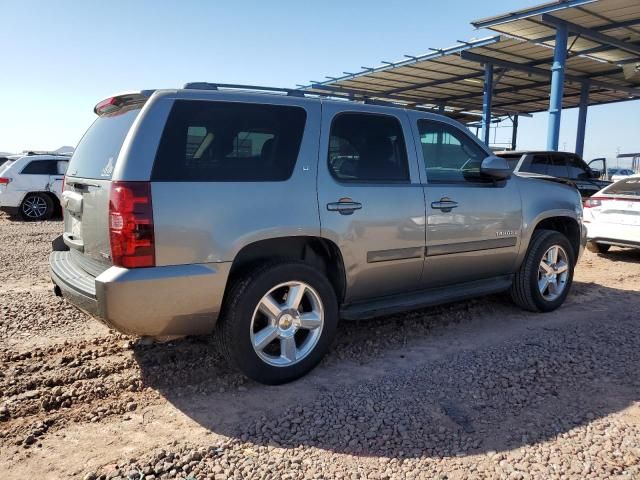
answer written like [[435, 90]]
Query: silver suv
[[268, 217]]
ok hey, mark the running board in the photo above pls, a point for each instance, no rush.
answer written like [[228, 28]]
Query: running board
[[424, 298]]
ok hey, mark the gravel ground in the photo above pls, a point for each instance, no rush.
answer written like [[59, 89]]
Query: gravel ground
[[478, 389]]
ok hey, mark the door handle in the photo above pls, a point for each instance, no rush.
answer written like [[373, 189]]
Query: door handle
[[344, 206], [444, 204]]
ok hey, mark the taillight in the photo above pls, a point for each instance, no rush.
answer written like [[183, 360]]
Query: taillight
[[592, 202], [131, 225], [4, 181]]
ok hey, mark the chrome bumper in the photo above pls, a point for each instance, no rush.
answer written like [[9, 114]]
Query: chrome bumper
[[156, 301]]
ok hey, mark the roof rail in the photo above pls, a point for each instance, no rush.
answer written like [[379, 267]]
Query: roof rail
[[45, 152], [303, 93], [232, 86]]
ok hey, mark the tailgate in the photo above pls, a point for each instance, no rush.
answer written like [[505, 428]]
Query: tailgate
[[85, 199]]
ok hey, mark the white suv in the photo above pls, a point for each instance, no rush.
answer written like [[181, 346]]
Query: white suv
[[31, 185]]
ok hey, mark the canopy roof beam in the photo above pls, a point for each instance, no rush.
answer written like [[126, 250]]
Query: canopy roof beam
[[540, 72], [591, 34]]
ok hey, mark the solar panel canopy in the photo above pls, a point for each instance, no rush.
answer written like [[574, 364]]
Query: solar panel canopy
[[522, 54]]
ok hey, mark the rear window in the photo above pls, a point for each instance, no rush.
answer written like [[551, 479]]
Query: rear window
[[229, 142], [41, 167], [96, 154], [628, 186]]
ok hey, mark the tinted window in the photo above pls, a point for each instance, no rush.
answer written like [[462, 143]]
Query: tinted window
[[628, 186], [577, 169], [558, 166], [41, 167], [97, 152], [512, 159], [449, 154], [367, 148], [539, 164], [229, 142]]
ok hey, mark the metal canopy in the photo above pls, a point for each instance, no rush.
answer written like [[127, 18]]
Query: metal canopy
[[605, 30], [522, 59]]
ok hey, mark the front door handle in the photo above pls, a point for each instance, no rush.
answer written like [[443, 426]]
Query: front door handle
[[444, 204], [345, 206]]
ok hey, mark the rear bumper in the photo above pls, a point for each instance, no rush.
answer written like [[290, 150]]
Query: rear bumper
[[157, 301]]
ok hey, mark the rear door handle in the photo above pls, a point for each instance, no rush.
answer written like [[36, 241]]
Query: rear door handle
[[445, 205], [344, 207]]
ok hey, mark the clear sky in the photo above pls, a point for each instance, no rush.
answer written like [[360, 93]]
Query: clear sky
[[58, 59]]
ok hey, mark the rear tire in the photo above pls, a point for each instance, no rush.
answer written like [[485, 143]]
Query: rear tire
[[598, 247], [36, 207], [542, 284], [278, 321]]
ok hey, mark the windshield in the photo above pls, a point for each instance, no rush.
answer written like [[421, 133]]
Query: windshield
[[98, 150], [628, 186]]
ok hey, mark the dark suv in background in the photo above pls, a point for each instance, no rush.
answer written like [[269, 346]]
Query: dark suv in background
[[565, 166]]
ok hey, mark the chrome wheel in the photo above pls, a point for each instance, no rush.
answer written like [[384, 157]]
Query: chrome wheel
[[553, 273], [34, 207], [287, 324]]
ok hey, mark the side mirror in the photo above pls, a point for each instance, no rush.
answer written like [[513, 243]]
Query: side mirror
[[595, 173], [495, 167]]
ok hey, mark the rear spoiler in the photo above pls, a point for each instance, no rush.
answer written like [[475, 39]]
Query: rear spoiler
[[118, 103]]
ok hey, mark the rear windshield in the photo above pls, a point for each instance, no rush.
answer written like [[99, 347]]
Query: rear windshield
[[96, 154], [229, 142], [628, 186]]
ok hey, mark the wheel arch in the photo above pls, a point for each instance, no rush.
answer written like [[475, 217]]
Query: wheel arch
[[566, 224], [319, 252]]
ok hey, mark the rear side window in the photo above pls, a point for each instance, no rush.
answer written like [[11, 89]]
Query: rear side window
[[41, 167], [368, 148], [539, 164], [96, 154], [450, 155], [628, 186], [229, 142], [558, 166]]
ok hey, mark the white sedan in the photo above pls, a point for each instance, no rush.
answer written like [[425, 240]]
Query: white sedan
[[612, 216]]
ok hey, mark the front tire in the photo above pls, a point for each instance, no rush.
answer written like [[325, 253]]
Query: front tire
[[36, 207], [278, 321], [598, 247], [544, 279]]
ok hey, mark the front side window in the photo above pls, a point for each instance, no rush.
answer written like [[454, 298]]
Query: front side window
[[229, 142], [367, 148], [577, 168], [41, 167], [449, 154]]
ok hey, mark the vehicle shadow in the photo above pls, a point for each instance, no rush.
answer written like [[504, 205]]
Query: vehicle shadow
[[626, 255], [473, 377]]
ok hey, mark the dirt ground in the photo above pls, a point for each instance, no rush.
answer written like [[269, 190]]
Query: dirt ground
[[478, 389]]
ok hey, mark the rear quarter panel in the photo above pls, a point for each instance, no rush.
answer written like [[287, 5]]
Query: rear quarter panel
[[542, 199]]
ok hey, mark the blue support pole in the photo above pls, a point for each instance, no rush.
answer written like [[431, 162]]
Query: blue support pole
[[486, 101], [557, 87], [582, 117]]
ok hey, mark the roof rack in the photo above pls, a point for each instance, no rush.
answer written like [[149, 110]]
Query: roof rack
[[44, 152], [314, 94], [232, 86]]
